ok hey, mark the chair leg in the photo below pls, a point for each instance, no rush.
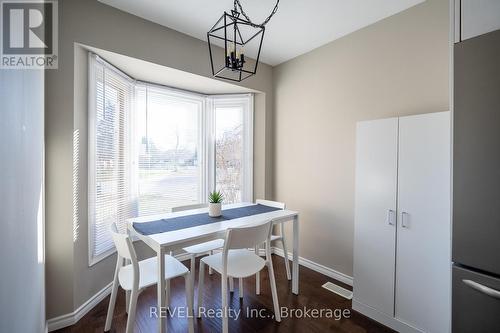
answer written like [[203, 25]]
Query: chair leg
[[240, 289], [131, 313], [210, 270], [189, 301], [201, 282], [225, 320], [192, 274], [274, 293], [112, 300], [231, 284], [257, 276], [127, 292], [127, 301], [287, 262]]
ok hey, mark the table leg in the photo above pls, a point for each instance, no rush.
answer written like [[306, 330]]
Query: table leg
[[161, 291], [257, 276], [295, 272]]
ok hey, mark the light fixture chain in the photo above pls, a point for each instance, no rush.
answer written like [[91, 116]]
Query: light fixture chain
[[237, 5]]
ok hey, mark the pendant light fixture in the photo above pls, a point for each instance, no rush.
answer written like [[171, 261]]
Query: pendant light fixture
[[237, 32]]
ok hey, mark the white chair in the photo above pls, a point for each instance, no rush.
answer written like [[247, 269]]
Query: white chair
[[278, 237], [201, 248], [237, 261], [139, 275]]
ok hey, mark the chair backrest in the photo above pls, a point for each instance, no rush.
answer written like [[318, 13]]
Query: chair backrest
[[270, 203], [247, 236], [188, 207], [123, 244], [276, 204]]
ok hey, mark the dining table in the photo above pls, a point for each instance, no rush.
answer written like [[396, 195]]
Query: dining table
[[163, 237]]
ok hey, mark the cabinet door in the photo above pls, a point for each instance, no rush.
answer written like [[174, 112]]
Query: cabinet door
[[375, 214], [423, 237], [479, 17]]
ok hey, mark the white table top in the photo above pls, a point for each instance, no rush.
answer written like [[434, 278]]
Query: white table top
[[171, 238]]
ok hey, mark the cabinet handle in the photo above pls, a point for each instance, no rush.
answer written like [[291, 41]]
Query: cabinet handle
[[482, 289], [390, 217], [404, 222]]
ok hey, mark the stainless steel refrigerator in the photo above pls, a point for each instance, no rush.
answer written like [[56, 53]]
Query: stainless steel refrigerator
[[476, 185]]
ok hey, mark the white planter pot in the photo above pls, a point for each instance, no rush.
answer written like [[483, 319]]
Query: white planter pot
[[214, 209]]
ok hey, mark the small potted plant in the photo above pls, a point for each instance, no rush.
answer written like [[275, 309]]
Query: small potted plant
[[215, 204]]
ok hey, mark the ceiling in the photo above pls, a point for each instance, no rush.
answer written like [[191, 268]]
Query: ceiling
[[299, 26], [171, 77]]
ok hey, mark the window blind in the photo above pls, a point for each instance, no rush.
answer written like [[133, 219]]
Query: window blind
[[171, 149], [111, 95]]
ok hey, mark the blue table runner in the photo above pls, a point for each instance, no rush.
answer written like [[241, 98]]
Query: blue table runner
[[189, 221]]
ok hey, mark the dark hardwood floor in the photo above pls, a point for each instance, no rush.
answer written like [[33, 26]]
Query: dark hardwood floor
[[312, 296]]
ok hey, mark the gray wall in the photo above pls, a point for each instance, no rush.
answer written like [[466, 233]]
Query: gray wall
[[398, 66], [70, 282], [22, 302]]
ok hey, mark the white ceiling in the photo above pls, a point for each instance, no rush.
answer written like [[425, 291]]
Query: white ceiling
[[154, 73], [299, 26]]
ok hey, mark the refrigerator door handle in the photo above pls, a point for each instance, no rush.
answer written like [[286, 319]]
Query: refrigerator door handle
[[483, 289]]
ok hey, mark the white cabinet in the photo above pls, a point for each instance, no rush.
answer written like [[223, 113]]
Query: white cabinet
[[376, 182], [476, 17], [402, 222]]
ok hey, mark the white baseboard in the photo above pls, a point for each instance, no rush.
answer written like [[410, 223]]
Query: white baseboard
[[330, 272], [384, 319], [73, 317]]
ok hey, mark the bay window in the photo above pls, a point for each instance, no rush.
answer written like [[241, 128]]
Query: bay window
[[152, 148]]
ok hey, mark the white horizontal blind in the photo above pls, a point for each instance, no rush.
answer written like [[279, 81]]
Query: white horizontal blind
[[171, 146], [110, 104]]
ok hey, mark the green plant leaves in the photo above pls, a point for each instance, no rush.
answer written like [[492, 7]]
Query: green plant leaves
[[215, 197]]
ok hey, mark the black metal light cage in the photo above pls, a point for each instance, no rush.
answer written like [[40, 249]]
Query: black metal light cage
[[233, 21]]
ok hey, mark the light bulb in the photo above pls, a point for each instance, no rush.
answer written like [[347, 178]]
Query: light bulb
[[230, 49]]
